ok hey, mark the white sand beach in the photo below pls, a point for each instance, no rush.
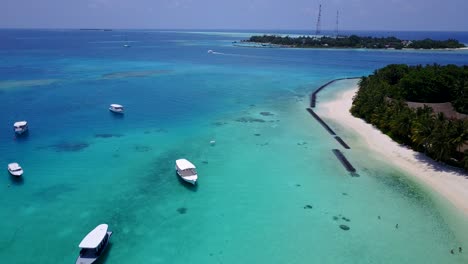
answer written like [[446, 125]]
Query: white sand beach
[[449, 183]]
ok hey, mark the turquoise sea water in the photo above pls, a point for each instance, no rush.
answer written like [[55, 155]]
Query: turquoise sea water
[[84, 166]]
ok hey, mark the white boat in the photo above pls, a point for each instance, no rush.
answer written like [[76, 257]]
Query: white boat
[[186, 170], [15, 169], [20, 127], [210, 51], [126, 45], [94, 244], [116, 108]]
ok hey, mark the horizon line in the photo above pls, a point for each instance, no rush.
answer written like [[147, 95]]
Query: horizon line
[[225, 29]]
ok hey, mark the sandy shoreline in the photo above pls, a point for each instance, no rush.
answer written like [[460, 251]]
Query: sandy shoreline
[[449, 183]]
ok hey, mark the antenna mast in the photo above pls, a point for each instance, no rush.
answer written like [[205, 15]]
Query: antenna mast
[[337, 19], [317, 28]]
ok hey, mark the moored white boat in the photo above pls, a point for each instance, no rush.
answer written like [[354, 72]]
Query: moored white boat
[[94, 244], [20, 127], [15, 169], [116, 108], [186, 170]]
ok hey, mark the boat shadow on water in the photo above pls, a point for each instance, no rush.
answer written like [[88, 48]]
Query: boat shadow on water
[[22, 138], [16, 180], [187, 185], [103, 258], [117, 115]]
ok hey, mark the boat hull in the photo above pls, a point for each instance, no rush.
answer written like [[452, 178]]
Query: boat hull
[[20, 131], [89, 258], [189, 179], [15, 173], [116, 111]]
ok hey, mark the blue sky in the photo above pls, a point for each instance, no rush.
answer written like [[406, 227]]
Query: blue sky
[[238, 14]]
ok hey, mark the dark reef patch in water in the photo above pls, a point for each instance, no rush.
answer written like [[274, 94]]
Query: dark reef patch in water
[[345, 227], [182, 210], [219, 123], [161, 130], [250, 120], [142, 148], [403, 185], [267, 114], [107, 135], [129, 74], [68, 146]]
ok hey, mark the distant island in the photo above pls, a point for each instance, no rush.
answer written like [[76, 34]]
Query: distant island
[[425, 108], [96, 29], [352, 41]]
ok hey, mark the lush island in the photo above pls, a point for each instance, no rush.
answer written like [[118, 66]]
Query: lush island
[[384, 101], [354, 41]]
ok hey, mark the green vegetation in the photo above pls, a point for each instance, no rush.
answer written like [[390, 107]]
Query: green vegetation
[[354, 41], [381, 101]]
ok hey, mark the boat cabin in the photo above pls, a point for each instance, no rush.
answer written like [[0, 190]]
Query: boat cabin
[[95, 242], [15, 169], [116, 108], [185, 167], [186, 170], [20, 127]]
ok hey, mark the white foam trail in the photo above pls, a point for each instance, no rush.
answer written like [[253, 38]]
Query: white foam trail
[[251, 56]]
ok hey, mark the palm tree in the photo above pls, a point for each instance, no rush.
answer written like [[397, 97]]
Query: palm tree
[[460, 133], [440, 145], [422, 127], [465, 160]]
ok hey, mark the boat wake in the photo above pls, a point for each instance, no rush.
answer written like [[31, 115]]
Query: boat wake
[[216, 53], [253, 56]]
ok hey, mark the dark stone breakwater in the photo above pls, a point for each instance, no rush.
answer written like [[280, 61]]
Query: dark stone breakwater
[[313, 97], [341, 141], [339, 155], [321, 122]]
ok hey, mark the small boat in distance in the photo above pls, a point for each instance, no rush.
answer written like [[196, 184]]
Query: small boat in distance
[[15, 169], [186, 170], [210, 51], [94, 244], [20, 127], [116, 108], [126, 45]]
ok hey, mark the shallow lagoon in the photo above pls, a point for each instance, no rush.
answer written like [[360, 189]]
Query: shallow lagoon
[[270, 190]]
